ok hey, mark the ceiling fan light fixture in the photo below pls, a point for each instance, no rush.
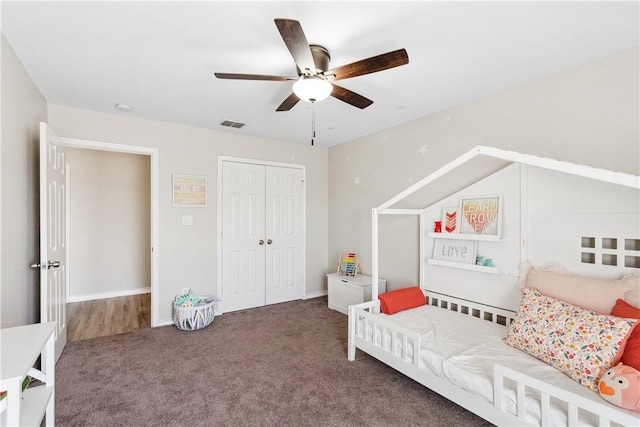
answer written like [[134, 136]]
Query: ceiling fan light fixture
[[312, 88]]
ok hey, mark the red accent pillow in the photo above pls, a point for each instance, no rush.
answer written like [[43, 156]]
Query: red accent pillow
[[631, 354], [401, 299]]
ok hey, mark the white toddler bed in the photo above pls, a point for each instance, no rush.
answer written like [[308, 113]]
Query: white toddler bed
[[462, 357], [454, 346]]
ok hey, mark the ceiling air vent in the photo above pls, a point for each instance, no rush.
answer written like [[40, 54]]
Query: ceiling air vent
[[230, 124]]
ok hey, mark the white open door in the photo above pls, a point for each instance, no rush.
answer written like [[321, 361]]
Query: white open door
[[53, 245]]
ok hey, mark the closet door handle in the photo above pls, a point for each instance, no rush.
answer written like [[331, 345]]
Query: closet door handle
[[269, 241], [261, 242]]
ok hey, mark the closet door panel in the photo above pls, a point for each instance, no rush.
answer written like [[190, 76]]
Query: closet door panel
[[284, 230], [243, 217]]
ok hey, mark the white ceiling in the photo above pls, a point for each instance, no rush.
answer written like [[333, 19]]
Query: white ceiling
[[159, 57]]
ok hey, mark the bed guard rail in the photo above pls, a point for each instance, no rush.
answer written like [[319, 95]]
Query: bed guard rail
[[482, 311], [393, 338], [605, 413]]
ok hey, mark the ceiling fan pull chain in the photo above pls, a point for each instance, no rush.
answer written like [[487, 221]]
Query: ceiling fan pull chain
[[313, 122]]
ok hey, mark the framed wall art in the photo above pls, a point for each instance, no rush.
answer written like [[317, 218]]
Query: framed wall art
[[189, 190], [451, 220], [454, 250], [481, 215]]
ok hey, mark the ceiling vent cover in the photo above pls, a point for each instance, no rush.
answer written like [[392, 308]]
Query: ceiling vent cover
[[230, 124]]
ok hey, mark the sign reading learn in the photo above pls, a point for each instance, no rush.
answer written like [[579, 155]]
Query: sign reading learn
[[481, 215]]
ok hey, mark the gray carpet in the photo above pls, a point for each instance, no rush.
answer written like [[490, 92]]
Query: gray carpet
[[281, 365]]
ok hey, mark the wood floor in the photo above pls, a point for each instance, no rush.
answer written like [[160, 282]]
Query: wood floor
[[90, 319]]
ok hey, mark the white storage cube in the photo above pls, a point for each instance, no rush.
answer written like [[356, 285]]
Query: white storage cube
[[347, 290]]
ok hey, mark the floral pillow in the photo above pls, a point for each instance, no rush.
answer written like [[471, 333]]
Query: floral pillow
[[581, 343]]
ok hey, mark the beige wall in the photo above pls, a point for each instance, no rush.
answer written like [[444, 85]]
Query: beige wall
[[188, 254], [110, 224], [23, 107], [588, 115]]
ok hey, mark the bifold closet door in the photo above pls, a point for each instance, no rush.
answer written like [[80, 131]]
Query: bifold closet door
[[244, 245], [262, 235], [285, 234]]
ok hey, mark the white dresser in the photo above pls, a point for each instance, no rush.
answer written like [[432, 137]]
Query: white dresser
[[20, 348], [346, 290]]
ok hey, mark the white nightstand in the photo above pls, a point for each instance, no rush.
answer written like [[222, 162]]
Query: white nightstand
[[346, 290]]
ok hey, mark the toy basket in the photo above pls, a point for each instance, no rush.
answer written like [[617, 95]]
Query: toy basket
[[194, 318]]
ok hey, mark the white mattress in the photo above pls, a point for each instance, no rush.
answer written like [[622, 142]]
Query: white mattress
[[445, 333], [463, 349]]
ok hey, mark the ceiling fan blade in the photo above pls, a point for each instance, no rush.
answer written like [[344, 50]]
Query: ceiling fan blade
[[288, 103], [296, 42], [374, 64], [253, 77], [350, 97]]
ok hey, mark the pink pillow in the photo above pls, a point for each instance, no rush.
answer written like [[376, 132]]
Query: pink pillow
[[581, 343], [631, 354], [587, 292]]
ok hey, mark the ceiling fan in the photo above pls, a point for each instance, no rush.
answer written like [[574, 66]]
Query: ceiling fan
[[315, 80]]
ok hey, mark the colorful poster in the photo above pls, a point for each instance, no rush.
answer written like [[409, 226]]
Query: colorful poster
[[189, 190], [481, 215], [450, 220]]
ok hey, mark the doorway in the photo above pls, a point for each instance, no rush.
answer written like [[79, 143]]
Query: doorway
[[141, 292], [108, 234]]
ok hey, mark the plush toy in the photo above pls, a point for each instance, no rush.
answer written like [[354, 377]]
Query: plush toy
[[620, 385], [187, 300]]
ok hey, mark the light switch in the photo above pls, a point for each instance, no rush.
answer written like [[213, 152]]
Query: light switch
[[187, 219]]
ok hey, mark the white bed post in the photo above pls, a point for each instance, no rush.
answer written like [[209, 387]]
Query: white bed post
[[351, 347], [374, 254], [351, 332]]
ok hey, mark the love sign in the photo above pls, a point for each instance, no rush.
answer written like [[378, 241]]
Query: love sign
[[463, 251], [481, 215]]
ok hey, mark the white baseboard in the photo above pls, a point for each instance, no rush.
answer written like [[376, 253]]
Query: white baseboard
[[165, 322], [104, 295], [316, 295]]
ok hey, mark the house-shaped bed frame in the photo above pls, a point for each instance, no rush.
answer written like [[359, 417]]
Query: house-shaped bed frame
[[582, 218], [604, 227]]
